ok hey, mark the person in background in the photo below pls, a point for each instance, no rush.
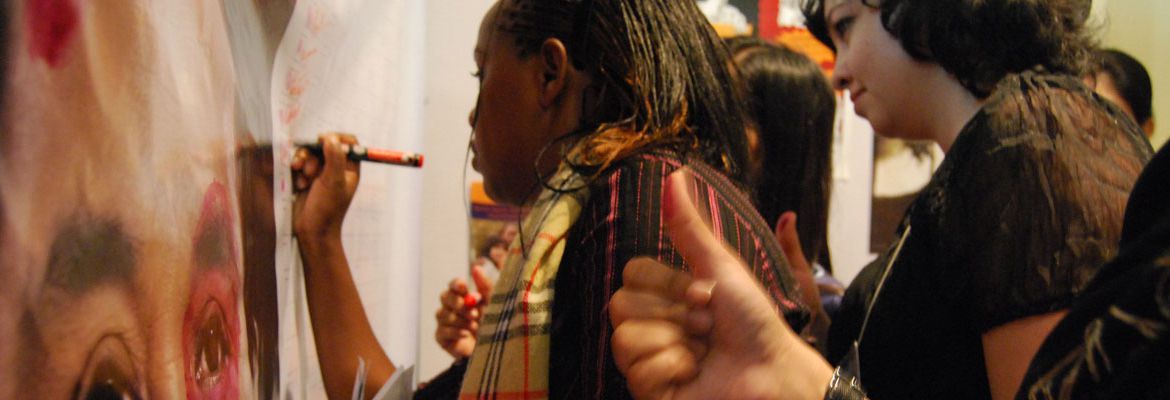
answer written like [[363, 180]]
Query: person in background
[[1123, 80], [1018, 218], [790, 108], [491, 256], [584, 108], [508, 232]]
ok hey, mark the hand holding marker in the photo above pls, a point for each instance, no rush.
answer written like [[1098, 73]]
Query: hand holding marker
[[363, 153]]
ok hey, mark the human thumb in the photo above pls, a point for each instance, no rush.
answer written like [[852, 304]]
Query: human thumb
[[483, 284], [691, 236]]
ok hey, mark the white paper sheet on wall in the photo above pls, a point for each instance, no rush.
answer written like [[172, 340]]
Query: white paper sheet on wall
[[352, 66]]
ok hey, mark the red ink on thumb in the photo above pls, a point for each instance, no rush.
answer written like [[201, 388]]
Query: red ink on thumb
[[51, 24]]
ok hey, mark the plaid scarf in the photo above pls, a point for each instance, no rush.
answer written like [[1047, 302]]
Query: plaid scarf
[[511, 355]]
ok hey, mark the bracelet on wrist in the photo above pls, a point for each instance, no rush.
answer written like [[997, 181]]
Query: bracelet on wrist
[[844, 386]]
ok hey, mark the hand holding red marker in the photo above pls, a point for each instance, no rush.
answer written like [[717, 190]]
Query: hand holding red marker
[[363, 153], [470, 300], [457, 320]]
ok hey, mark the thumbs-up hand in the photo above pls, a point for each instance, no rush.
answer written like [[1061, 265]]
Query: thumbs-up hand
[[713, 333]]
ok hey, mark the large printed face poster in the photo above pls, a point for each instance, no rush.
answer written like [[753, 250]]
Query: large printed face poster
[[121, 260], [141, 163]]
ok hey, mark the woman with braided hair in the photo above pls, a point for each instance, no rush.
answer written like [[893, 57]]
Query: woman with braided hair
[[584, 108]]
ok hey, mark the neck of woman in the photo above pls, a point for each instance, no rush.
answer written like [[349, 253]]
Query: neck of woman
[[954, 108]]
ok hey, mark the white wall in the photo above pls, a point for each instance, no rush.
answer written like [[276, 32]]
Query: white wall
[[851, 201], [451, 29]]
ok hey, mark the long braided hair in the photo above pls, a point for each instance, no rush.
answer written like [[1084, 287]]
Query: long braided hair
[[660, 73]]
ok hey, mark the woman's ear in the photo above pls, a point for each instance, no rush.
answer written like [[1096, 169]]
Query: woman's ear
[[555, 70], [1149, 127]]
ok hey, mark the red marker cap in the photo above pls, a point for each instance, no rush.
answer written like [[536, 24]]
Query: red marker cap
[[470, 300]]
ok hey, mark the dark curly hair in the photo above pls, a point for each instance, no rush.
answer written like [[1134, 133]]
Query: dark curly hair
[[660, 74], [981, 41]]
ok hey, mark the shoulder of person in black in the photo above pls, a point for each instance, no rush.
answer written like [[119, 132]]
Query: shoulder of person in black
[[1115, 341]]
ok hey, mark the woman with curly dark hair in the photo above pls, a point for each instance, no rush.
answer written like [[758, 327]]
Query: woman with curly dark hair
[[1026, 206], [1018, 218]]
